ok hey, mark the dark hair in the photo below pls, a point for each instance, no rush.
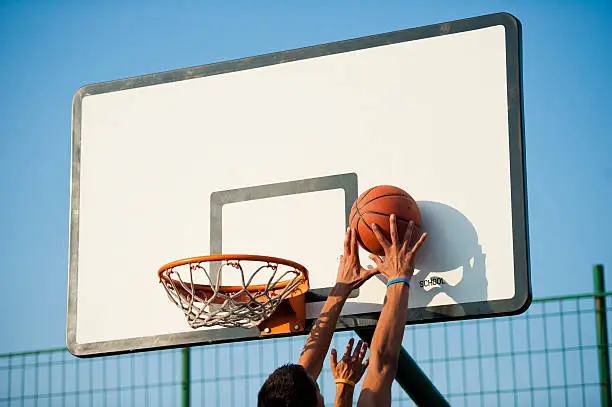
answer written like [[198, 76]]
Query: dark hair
[[288, 386]]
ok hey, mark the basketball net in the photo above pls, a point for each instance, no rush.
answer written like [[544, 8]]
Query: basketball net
[[213, 304]]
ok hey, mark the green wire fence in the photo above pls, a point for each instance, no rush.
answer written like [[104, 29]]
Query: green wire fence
[[556, 354]]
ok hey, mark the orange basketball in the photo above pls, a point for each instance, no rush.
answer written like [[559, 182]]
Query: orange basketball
[[375, 206]]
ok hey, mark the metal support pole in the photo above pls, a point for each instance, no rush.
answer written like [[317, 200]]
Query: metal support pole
[[185, 377], [411, 378], [601, 323]]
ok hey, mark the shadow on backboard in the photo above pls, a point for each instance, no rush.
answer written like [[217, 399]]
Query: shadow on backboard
[[451, 262]]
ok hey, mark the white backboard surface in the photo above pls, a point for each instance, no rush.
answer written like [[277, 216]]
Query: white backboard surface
[[434, 110]]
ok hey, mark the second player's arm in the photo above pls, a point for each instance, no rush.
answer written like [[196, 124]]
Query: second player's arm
[[348, 371], [344, 395]]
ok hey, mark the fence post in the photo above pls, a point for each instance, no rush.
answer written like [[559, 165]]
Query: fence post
[[185, 377], [410, 377], [601, 324]]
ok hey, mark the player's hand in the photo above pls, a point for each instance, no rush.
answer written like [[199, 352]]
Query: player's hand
[[352, 365], [399, 254], [350, 272]]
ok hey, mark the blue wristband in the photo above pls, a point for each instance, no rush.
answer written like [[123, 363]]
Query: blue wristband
[[399, 280]]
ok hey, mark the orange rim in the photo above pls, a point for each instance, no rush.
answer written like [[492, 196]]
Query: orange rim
[[230, 257]]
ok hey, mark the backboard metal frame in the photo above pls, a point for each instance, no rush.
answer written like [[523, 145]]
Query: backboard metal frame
[[346, 182], [518, 304]]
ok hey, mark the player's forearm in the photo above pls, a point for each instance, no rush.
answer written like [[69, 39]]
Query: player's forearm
[[344, 395], [320, 336], [387, 339], [384, 351]]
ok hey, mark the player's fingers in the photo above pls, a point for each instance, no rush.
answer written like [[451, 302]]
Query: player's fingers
[[393, 229], [418, 244], [366, 362], [349, 347], [377, 260], [353, 247], [347, 240], [357, 350], [379, 236], [408, 235], [363, 351], [333, 359]]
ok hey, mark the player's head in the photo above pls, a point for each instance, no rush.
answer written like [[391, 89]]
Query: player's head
[[289, 386]]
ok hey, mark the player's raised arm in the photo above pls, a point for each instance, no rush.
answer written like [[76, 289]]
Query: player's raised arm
[[348, 371], [350, 276], [398, 267]]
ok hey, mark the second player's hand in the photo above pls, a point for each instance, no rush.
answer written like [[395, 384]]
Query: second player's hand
[[352, 365]]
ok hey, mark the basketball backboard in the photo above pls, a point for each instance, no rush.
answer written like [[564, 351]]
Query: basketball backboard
[[265, 155]]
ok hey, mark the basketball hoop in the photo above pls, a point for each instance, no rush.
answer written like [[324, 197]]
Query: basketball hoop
[[269, 294]]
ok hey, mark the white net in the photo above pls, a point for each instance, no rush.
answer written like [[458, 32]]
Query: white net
[[206, 302]]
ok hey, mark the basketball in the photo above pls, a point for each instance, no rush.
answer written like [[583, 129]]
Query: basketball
[[376, 206]]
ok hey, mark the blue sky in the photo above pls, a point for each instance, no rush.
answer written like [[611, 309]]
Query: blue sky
[[49, 49]]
